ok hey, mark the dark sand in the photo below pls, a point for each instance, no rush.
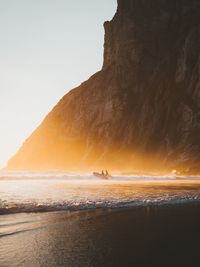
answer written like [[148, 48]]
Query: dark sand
[[151, 236]]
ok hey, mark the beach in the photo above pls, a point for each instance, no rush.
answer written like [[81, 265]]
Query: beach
[[150, 236], [128, 221], [100, 133]]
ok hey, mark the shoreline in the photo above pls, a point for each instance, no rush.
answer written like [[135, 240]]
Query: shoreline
[[147, 236], [126, 206]]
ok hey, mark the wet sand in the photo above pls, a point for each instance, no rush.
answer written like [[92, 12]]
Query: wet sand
[[146, 236]]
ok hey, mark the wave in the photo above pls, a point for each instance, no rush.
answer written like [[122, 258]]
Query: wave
[[90, 205], [87, 176], [44, 192]]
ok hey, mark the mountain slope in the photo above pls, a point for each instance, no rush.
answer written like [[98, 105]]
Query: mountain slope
[[142, 110]]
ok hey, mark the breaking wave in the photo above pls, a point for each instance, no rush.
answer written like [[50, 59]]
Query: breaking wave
[[40, 192]]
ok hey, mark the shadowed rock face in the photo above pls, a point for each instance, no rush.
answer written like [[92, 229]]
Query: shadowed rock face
[[144, 102]]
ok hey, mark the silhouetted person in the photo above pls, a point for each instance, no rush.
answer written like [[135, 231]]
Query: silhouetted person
[[102, 172], [106, 172]]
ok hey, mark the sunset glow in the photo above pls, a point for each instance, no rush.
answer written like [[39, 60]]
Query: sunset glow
[[100, 133]]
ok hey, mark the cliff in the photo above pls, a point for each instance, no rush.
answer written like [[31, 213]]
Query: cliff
[[142, 110]]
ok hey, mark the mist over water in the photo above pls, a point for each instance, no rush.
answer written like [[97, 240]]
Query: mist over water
[[34, 192]]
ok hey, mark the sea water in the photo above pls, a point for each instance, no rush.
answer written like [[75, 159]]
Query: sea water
[[65, 219], [34, 192]]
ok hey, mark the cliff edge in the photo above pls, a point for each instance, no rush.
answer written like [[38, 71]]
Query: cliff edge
[[142, 110]]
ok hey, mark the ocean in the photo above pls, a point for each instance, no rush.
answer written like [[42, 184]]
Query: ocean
[[65, 219]]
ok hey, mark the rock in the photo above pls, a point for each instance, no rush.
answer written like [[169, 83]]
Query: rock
[[142, 110]]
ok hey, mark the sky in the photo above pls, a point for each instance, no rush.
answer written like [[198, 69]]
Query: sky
[[47, 47]]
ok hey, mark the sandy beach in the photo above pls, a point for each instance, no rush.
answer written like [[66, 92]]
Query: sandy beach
[[148, 236], [100, 133]]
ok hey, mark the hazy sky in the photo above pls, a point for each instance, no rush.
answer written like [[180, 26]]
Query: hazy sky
[[47, 47]]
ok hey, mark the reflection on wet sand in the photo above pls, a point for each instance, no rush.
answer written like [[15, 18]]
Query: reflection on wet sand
[[142, 236]]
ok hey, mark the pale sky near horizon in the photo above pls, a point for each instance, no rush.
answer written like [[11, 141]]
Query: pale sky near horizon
[[47, 47]]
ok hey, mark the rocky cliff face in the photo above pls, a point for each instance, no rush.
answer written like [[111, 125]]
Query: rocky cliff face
[[142, 110]]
